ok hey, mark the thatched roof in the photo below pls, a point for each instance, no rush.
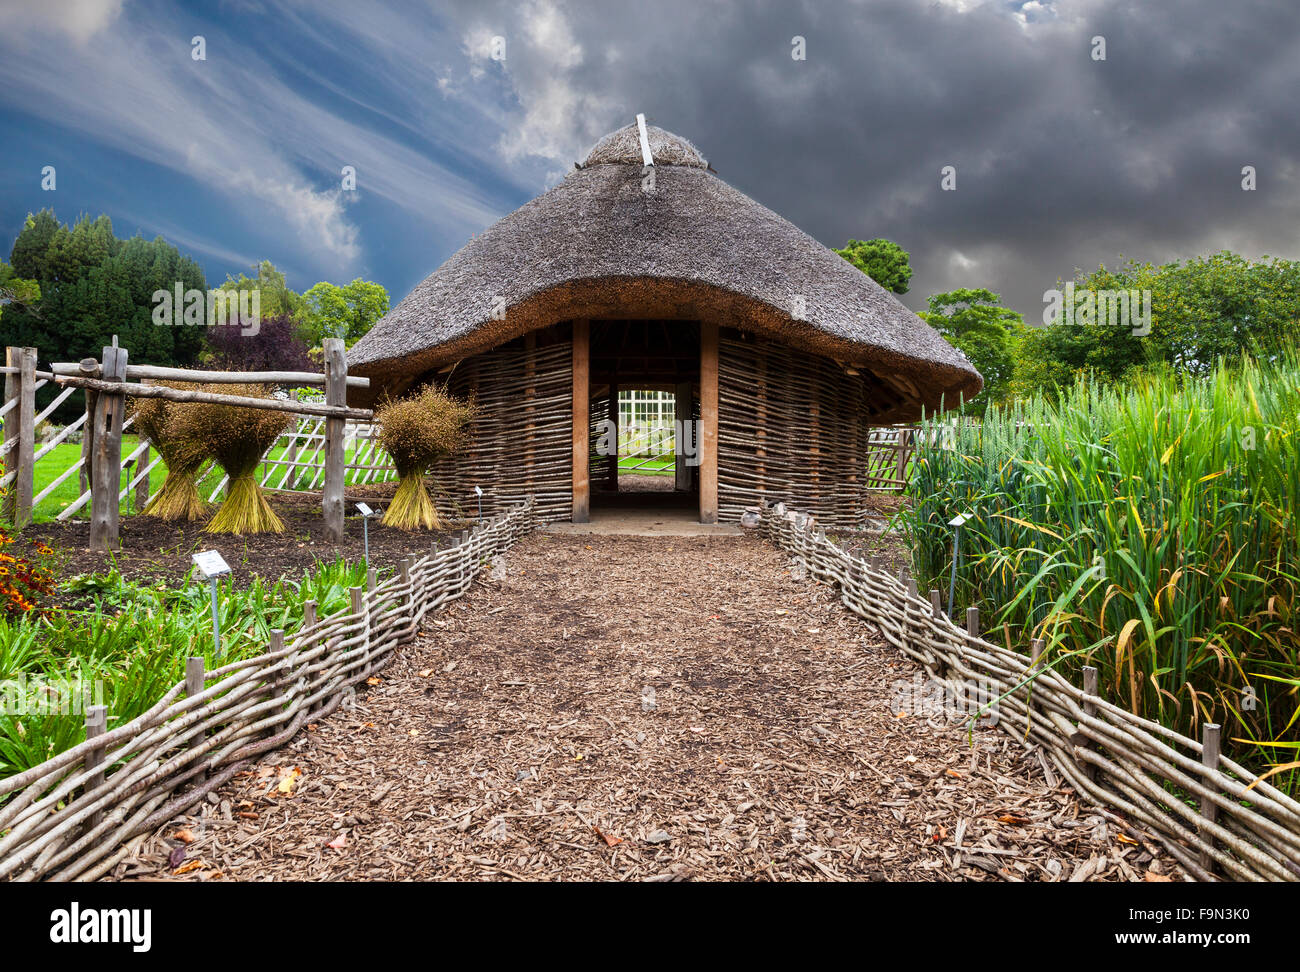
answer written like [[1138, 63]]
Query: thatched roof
[[598, 245]]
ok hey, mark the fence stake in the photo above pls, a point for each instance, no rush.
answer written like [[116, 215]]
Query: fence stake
[[1210, 757], [194, 680], [20, 428], [336, 393], [358, 595], [1089, 709], [370, 579], [936, 605], [106, 470], [96, 725], [973, 621]]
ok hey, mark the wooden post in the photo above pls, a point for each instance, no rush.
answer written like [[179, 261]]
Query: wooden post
[[1089, 709], [900, 471], [96, 725], [530, 410], [682, 420], [89, 366], [616, 419], [708, 437], [358, 596], [936, 602], [1035, 651], [581, 421], [106, 464], [336, 393], [973, 622], [1209, 812], [19, 424]]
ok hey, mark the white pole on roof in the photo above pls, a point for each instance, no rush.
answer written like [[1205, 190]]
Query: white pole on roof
[[646, 157]]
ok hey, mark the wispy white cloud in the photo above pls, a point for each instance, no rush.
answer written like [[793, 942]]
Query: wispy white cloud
[[231, 124]]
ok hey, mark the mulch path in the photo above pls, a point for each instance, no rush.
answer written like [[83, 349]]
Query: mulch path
[[661, 709], [154, 550]]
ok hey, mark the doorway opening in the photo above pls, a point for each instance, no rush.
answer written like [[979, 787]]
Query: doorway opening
[[644, 416]]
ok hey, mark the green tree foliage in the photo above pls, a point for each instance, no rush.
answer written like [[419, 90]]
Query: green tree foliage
[[276, 297], [974, 321], [884, 261], [1217, 306], [92, 286], [16, 291], [347, 311]]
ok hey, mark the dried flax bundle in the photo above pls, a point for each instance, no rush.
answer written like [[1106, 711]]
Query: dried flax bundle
[[236, 439], [155, 420], [417, 431]]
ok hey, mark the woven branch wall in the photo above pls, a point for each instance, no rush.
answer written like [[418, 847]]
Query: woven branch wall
[[792, 427], [519, 445], [1114, 759], [168, 758]]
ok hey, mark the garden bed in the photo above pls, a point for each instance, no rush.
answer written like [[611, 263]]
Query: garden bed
[[159, 551]]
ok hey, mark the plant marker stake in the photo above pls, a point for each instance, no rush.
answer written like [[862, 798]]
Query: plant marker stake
[[478, 491], [366, 514], [955, 523], [211, 565]]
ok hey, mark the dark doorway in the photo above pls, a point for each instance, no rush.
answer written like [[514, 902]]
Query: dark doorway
[[644, 403]]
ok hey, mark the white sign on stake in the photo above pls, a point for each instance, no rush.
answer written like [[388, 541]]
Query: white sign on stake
[[210, 563], [478, 490], [960, 519], [365, 510]]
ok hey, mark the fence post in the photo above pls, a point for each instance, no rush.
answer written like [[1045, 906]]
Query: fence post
[[20, 429], [96, 725], [336, 393], [1089, 709], [106, 468], [195, 682], [142, 487], [1209, 812], [936, 604], [973, 622], [358, 607]]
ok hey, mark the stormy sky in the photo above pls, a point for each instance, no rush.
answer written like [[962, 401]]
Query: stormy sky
[[1062, 160]]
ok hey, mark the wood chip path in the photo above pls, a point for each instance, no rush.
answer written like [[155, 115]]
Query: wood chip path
[[662, 709]]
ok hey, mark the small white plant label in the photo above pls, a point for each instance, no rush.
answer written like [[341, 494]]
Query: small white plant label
[[210, 563]]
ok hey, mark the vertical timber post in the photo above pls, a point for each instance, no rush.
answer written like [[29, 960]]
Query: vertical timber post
[[336, 393], [1210, 742], [20, 430], [96, 726], [708, 439], [142, 487], [581, 421], [681, 434], [106, 454]]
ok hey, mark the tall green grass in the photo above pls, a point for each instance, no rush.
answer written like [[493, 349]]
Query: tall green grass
[[1147, 529], [134, 643]]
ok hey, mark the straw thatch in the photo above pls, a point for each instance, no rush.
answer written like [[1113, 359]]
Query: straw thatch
[[599, 245]]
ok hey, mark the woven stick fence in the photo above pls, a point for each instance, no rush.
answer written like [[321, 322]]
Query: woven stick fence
[[520, 441], [75, 816], [1212, 814], [792, 426]]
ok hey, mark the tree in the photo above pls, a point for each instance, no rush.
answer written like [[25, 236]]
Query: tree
[[883, 261], [93, 286], [16, 291], [276, 346], [345, 312], [275, 296], [1218, 306], [974, 321]]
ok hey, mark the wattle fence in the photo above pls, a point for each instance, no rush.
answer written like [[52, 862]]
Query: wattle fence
[[1211, 814], [76, 815]]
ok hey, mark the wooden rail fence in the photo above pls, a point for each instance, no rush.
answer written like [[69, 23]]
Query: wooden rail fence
[[107, 384], [75, 816], [1211, 814]]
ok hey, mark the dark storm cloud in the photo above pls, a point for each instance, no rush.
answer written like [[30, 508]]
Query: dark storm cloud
[[1062, 161]]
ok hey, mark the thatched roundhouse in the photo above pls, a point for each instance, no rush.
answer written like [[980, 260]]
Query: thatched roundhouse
[[663, 277]]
